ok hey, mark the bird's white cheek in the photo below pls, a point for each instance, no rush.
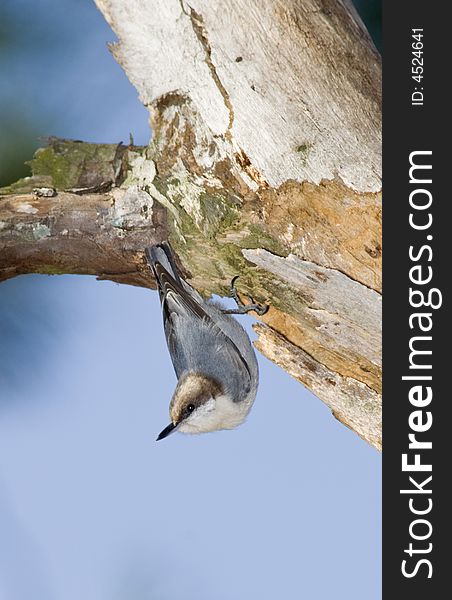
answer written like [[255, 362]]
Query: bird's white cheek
[[200, 419], [221, 413]]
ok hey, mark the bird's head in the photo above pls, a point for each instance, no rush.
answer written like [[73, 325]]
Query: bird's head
[[200, 404]]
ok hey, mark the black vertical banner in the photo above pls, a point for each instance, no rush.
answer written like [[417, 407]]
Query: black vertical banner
[[417, 237]]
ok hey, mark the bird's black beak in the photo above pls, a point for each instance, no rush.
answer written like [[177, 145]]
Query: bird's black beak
[[163, 434]]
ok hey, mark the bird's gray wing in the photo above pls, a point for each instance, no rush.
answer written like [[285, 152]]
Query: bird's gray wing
[[197, 343], [200, 345]]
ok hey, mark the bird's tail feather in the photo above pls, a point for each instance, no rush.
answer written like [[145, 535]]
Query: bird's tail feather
[[161, 254]]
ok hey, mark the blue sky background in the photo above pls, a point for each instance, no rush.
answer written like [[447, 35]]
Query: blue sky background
[[286, 506]]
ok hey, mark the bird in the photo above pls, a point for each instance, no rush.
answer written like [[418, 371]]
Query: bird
[[212, 355]]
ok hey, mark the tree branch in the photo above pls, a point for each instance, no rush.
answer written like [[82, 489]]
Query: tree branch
[[265, 162], [46, 230]]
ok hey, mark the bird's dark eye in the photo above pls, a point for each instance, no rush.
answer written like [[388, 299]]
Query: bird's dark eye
[[190, 408]]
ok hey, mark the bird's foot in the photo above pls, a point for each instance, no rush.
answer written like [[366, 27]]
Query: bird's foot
[[242, 309]]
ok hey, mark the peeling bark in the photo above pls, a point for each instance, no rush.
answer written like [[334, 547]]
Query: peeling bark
[[91, 226], [265, 162], [352, 402]]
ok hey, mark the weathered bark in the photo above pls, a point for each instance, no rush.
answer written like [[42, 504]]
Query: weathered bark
[[98, 223], [265, 162]]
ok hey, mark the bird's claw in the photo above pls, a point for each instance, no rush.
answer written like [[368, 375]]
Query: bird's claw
[[242, 309]]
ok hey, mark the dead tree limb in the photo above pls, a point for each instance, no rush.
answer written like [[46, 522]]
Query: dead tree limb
[[265, 161]]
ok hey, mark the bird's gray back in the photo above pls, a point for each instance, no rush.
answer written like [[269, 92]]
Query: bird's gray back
[[199, 336], [219, 348]]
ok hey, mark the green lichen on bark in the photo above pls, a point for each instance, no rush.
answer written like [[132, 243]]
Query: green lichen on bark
[[71, 164], [202, 216]]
